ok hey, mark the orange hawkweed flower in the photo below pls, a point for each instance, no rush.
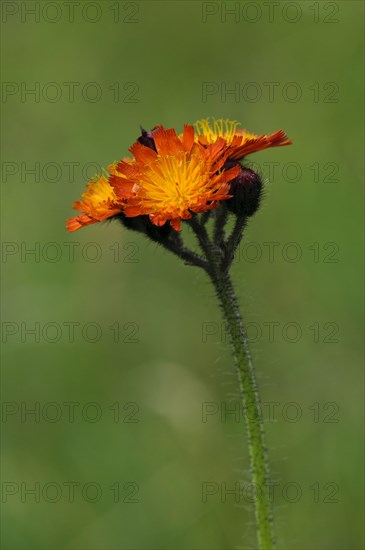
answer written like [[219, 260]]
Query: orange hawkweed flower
[[171, 177], [239, 143], [98, 203], [180, 177]]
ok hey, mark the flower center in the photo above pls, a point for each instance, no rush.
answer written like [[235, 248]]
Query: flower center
[[174, 183]]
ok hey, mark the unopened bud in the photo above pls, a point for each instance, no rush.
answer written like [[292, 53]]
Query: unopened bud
[[146, 139], [246, 189]]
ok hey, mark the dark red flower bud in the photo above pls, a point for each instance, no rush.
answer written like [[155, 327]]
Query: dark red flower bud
[[146, 138], [246, 189]]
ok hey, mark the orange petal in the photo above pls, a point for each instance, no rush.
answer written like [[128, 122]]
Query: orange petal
[[122, 186], [277, 139], [128, 170], [157, 219], [217, 150], [73, 224], [188, 137], [228, 175], [176, 224], [132, 211], [142, 153], [167, 141]]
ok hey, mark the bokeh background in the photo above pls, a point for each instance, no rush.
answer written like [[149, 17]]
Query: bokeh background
[[131, 340]]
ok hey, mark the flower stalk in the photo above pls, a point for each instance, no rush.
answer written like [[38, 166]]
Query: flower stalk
[[252, 412], [250, 399]]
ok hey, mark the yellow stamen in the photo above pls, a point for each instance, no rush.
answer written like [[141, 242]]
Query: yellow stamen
[[220, 128]]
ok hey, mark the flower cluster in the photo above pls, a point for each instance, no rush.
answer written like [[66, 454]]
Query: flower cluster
[[171, 177]]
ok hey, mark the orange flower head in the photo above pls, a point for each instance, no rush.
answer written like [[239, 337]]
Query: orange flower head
[[98, 203], [171, 177], [180, 177], [239, 143]]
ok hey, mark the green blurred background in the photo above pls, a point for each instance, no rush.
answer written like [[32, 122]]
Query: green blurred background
[[149, 350]]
